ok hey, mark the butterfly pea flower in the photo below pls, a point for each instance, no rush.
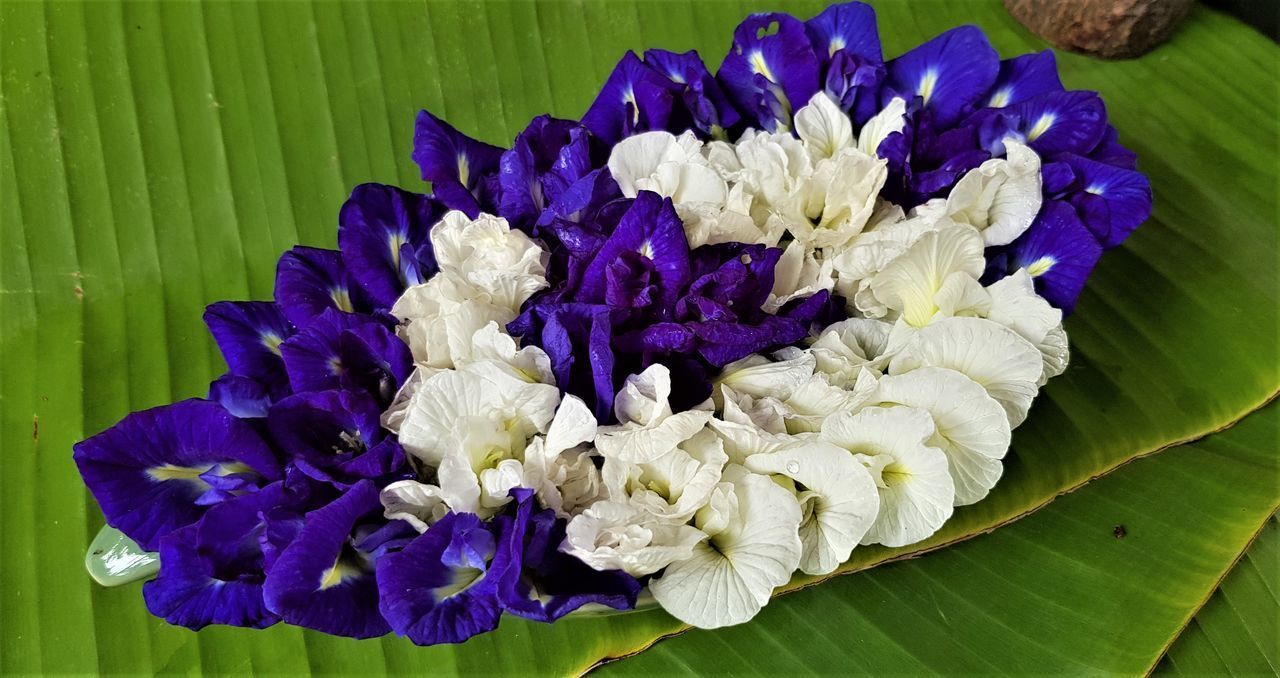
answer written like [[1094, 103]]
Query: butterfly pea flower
[[347, 351], [937, 275], [541, 582], [249, 334], [847, 44], [1000, 360], [335, 437], [752, 546], [1000, 197], [211, 572], [1048, 123], [1023, 77], [310, 280], [443, 586], [1112, 201], [324, 578], [915, 486], [635, 98], [650, 228], [384, 234], [770, 70], [949, 73], [245, 397], [560, 466], [548, 157], [1058, 252], [160, 469], [971, 428], [1015, 304], [462, 171], [700, 102]]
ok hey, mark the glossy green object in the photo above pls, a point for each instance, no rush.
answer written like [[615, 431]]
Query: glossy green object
[[114, 559]]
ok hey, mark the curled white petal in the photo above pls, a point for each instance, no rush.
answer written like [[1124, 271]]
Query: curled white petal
[[892, 118], [1001, 197], [616, 536], [911, 284], [416, 503], [823, 127]]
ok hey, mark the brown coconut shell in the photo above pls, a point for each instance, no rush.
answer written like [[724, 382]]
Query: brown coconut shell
[[1116, 29]]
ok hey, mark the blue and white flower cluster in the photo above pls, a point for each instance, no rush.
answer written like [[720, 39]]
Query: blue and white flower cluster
[[723, 328]]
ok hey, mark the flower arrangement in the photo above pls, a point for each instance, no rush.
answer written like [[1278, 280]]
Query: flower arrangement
[[723, 328]]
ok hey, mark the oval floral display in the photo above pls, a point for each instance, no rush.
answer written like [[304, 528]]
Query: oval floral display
[[723, 328]]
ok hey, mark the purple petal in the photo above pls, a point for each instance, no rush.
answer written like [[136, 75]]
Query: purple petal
[[1051, 123], [456, 165], [243, 397], [321, 581], [347, 351], [546, 158], [705, 107], [145, 471], [578, 340], [1122, 198], [1110, 152], [187, 593], [848, 27], [442, 588], [1059, 252], [1023, 77], [310, 280], [950, 73], [652, 228], [635, 98], [720, 343], [770, 70], [326, 426], [249, 334], [374, 227], [545, 584]]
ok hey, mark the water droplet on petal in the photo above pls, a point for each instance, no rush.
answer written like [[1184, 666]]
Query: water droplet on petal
[[793, 466]]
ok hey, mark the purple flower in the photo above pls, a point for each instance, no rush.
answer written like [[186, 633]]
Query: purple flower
[[1049, 123], [245, 397], [1023, 77], [335, 437], [443, 586], [548, 157], [323, 579], [385, 237], [847, 44], [700, 103], [347, 351], [652, 230], [249, 334], [1058, 251], [950, 73], [770, 70], [635, 98], [462, 171], [543, 584], [158, 470], [310, 280], [1112, 201]]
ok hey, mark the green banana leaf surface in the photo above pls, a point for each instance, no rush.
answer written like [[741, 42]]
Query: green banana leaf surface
[[159, 156]]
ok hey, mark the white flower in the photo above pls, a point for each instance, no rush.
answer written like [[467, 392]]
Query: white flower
[[818, 399], [800, 272], [487, 270], [1015, 304], [753, 547], [759, 377], [832, 205], [559, 466], [887, 238], [971, 427], [844, 348], [672, 486], [937, 274], [1001, 197], [996, 357], [916, 491], [838, 498], [616, 536], [647, 429], [492, 344], [892, 118], [416, 503], [823, 127]]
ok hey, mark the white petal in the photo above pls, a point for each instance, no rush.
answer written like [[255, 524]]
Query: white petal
[[644, 397], [530, 363], [1015, 304], [730, 577], [824, 128], [638, 157], [416, 503], [916, 491], [910, 283], [760, 377], [839, 503], [889, 120], [818, 399], [1055, 352], [1007, 365], [614, 536], [1001, 197], [639, 444], [972, 428], [672, 486]]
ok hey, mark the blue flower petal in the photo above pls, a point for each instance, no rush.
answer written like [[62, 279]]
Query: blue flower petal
[[1023, 77], [347, 351], [145, 472], [635, 98], [1050, 123], [249, 334], [1059, 253], [442, 587], [950, 73], [321, 580], [651, 228], [310, 280], [771, 69], [544, 584], [457, 166], [702, 104], [187, 593], [1113, 201], [244, 397], [335, 436], [545, 160], [1110, 152], [385, 237]]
